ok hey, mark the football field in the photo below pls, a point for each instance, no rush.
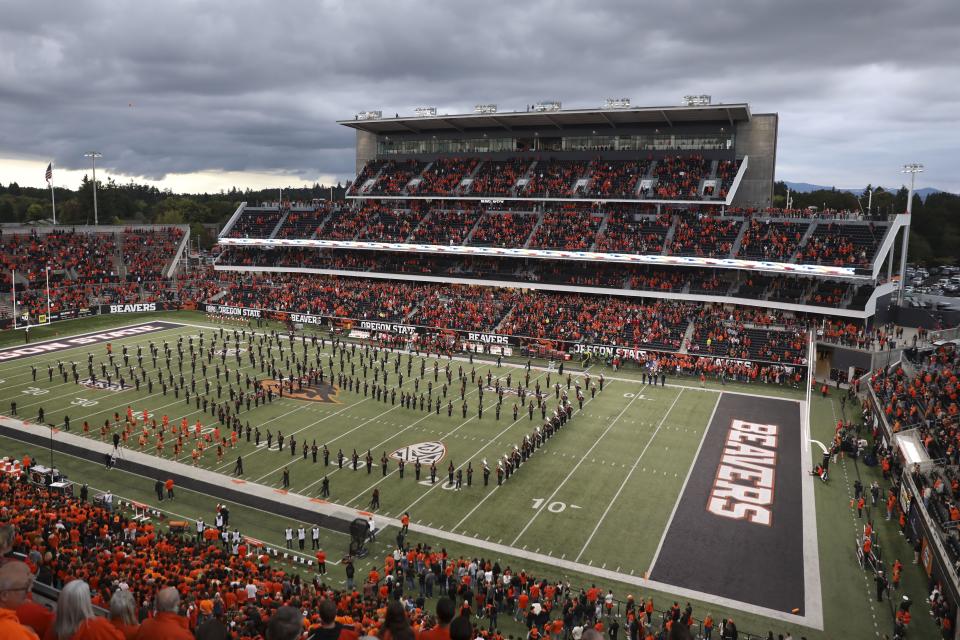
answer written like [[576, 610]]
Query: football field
[[666, 487]]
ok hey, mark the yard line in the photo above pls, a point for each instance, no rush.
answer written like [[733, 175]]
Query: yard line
[[442, 434], [297, 458], [577, 466], [683, 488], [630, 473], [489, 442], [312, 424], [491, 492]]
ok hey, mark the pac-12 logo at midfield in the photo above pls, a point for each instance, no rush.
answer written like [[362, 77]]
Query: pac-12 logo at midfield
[[426, 452]]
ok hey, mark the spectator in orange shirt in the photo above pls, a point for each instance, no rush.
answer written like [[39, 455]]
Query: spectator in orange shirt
[[445, 611], [15, 584]]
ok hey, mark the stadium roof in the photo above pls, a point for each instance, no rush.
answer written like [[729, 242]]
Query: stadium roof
[[666, 116]]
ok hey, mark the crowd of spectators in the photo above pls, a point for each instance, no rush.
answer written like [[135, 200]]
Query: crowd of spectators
[[614, 179], [554, 178], [498, 178], [256, 222], [155, 584], [147, 253], [394, 177], [468, 308], [443, 177], [384, 223], [774, 241], [600, 320], [631, 233], [674, 177], [303, 223], [445, 226], [852, 245], [610, 227], [86, 268], [678, 177], [704, 235], [568, 230], [503, 229]]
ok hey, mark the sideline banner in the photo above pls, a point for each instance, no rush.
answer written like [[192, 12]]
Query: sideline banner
[[139, 307]]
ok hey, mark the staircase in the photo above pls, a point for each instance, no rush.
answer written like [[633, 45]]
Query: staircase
[[600, 230], [525, 177], [803, 242], [417, 179], [687, 337], [117, 258], [276, 229], [533, 232], [739, 241], [473, 174], [322, 224], [414, 230], [668, 239], [476, 224]]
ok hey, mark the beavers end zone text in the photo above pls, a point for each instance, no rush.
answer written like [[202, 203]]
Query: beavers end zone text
[[738, 529]]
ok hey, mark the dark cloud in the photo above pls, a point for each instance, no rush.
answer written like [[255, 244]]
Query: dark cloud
[[182, 86]]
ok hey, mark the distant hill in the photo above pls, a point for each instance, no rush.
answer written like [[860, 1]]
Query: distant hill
[[806, 187]]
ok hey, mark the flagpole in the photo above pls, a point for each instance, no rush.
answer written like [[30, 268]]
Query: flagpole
[[48, 294], [13, 279], [53, 203]]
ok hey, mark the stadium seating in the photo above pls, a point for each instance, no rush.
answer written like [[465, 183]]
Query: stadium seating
[[443, 177], [833, 243], [498, 178], [255, 223], [769, 240], [631, 233], [673, 177], [704, 235], [303, 223], [503, 229], [566, 230]]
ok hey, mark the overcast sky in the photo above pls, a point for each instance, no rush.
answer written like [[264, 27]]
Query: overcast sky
[[208, 94]]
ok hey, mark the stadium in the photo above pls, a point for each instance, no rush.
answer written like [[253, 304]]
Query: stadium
[[570, 368]]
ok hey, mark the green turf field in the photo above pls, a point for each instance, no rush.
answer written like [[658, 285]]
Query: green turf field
[[600, 492]]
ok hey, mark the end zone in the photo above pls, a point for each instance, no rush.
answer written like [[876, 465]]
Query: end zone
[[739, 529], [84, 339]]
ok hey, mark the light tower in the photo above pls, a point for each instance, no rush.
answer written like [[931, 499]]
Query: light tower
[[913, 168], [93, 155]]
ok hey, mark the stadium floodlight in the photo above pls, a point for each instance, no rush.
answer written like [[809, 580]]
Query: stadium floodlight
[[702, 100], [485, 108], [93, 155], [617, 103], [425, 112], [369, 115], [913, 168], [547, 105]]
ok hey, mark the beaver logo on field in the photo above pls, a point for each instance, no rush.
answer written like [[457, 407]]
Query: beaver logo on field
[[102, 385], [323, 393], [426, 452]]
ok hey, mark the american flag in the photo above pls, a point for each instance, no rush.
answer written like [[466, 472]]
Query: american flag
[[49, 172]]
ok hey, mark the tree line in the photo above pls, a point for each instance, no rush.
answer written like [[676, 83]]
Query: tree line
[[133, 203]]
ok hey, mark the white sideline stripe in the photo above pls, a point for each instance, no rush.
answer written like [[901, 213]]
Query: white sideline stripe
[[630, 473], [813, 620], [576, 466], [812, 589], [683, 489]]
